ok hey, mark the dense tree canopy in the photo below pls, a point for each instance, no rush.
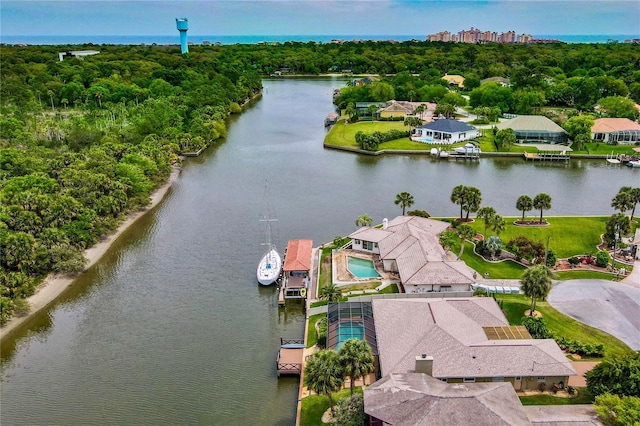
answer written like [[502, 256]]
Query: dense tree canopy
[[84, 142]]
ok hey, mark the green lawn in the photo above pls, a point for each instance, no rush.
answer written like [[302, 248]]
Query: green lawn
[[568, 236], [505, 270], [583, 397], [514, 306], [314, 406], [582, 275], [312, 334], [344, 135], [595, 148], [326, 273]]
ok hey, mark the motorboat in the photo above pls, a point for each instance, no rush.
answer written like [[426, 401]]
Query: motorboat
[[467, 149]]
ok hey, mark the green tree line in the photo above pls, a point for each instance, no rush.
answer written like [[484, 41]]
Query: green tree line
[[85, 142]]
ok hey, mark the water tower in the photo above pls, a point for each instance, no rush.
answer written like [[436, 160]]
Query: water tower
[[183, 26]]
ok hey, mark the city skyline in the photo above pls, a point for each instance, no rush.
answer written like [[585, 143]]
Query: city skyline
[[282, 17]]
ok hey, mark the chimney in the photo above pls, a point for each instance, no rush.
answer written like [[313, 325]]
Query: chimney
[[385, 223], [424, 364]]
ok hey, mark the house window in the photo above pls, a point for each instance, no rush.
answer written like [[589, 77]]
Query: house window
[[367, 245], [541, 378], [498, 379], [357, 242], [469, 380], [443, 379], [518, 378]]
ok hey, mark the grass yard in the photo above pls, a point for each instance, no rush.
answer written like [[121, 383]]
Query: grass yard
[[505, 270], [569, 236], [583, 397], [514, 306], [314, 406], [326, 274], [312, 334], [582, 275], [595, 148], [342, 134]]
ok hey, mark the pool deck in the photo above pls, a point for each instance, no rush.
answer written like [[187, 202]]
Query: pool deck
[[341, 274]]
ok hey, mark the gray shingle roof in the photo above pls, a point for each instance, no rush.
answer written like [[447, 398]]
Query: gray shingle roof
[[531, 122], [451, 331], [446, 125], [417, 399]]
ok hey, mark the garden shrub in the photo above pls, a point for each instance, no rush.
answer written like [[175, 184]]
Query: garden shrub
[[573, 260], [322, 333], [602, 259]]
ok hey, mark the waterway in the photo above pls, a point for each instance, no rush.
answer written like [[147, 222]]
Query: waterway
[[171, 327]]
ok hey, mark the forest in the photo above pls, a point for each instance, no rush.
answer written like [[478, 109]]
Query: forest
[[83, 142]]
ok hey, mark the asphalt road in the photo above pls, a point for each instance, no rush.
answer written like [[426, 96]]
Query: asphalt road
[[610, 306]]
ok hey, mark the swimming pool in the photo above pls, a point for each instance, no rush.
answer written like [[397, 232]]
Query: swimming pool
[[349, 330], [361, 268]]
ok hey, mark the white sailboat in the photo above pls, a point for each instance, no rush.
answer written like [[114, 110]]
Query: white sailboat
[[270, 266]]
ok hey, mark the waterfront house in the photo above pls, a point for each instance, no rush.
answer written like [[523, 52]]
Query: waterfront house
[[419, 399], [296, 268], [444, 131], [410, 246], [535, 129], [454, 80], [404, 109], [464, 340], [616, 131]]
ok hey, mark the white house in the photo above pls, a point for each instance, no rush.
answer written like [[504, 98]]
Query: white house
[[444, 131], [615, 130]]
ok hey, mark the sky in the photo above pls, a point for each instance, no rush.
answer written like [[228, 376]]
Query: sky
[[310, 17]]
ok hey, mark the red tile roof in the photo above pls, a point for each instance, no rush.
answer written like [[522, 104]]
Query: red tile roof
[[298, 255], [608, 125]]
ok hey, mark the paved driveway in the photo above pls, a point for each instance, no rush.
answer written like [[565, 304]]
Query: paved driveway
[[610, 306]]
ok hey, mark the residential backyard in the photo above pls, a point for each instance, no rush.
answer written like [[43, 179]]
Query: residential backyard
[[567, 236]]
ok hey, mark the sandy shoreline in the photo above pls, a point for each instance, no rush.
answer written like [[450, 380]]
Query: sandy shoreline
[[54, 285]]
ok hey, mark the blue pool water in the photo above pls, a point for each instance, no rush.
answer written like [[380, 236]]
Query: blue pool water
[[361, 268], [349, 330]]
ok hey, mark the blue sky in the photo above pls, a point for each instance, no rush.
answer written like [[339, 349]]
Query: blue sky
[[305, 17]]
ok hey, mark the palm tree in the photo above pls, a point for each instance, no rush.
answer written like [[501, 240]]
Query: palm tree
[[331, 293], [486, 213], [405, 200], [323, 374], [447, 239], [372, 109], [542, 201], [472, 200], [524, 204], [536, 283], [624, 200], [364, 220], [350, 111], [64, 102], [356, 359], [98, 96], [457, 197], [420, 110], [497, 224], [465, 232], [635, 198], [50, 93]]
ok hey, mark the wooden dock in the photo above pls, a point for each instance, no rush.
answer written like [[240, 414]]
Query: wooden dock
[[290, 356], [546, 156], [281, 300]]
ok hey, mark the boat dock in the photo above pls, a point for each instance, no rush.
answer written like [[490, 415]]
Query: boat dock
[[546, 156], [290, 356]]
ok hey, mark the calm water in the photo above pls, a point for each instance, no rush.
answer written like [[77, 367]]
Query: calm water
[[171, 326]]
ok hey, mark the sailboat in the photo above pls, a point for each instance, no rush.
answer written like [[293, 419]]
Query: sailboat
[[270, 265]]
